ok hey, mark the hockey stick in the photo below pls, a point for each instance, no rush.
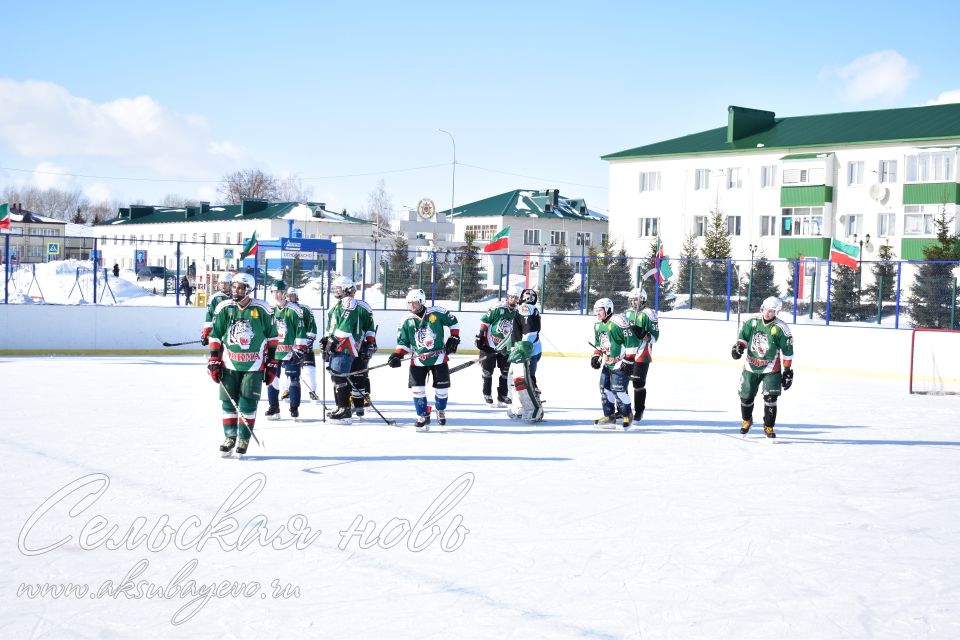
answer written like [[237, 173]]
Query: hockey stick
[[369, 400], [240, 415], [175, 344], [469, 363], [386, 364]]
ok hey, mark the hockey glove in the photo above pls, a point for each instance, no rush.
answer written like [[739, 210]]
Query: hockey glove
[[270, 372], [205, 335], [331, 345], [215, 367], [738, 349], [595, 361], [481, 341], [786, 378], [310, 343], [394, 359], [520, 352], [369, 348], [296, 356], [450, 346]]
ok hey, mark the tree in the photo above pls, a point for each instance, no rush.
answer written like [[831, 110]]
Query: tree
[[884, 278], [764, 284], [597, 265], [297, 277], [78, 218], [53, 203], [618, 279], [688, 273], [292, 189], [177, 201], [468, 260], [380, 210], [717, 250], [930, 295], [666, 294], [397, 271], [558, 282], [245, 184], [844, 294]]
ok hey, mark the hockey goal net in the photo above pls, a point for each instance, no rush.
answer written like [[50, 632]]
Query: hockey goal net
[[935, 361]]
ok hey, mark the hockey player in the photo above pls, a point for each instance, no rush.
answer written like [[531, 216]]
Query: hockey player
[[290, 351], [767, 341], [525, 354], [421, 333], [215, 299], [309, 365], [349, 331], [496, 327], [614, 356], [243, 345], [646, 330]]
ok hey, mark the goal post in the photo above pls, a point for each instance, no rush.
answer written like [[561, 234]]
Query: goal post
[[935, 361]]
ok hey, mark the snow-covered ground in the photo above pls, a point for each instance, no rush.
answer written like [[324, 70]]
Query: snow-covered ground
[[847, 527]]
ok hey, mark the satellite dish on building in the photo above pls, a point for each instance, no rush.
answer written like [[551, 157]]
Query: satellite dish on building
[[879, 193]]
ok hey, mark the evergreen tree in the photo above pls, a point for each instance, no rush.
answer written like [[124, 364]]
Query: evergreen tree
[[717, 250], [930, 295], [467, 258], [398, 271], [666, 294], [688, 273], [618, 280], [558, 283], [884, 278], [296, 271], [764, 284], [844, 295], [598, 265]]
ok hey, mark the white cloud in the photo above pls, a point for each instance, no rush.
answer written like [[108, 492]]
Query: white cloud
[[878, 75], [98, 192], [947, 97], [47, 175], [43, 120]]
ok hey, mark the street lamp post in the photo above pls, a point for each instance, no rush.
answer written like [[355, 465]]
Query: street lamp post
[[453, 183], [753, 249]]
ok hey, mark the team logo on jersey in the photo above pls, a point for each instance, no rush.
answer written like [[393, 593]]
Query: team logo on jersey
[[240, 334], [604, 342], [432, 318], [254, 314], [759, 344], [425, 338], [505, 327]]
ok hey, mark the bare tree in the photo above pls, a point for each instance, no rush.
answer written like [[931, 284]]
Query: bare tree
[[248, 183], [292, 189], [53, 203], [380, 210], [178, 201]]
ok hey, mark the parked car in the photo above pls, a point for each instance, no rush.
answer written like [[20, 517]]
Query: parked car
[[152, 273]]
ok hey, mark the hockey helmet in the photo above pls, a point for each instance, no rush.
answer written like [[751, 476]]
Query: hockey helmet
[[225, 282], [529, 296], [278, 285], [416, 295], [292, 293], [343, 286], [606, 304], [248, 283], [638, 294], [771, 303]]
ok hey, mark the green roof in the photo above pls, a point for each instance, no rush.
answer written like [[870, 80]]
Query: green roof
[[526, 203], [248, 210], [749, 129]]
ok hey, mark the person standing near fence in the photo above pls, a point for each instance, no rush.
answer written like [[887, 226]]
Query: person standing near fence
[[768, 343], [290, 350], [243, 345], [613, 356], [496, 327], [646, 331], [185, 289], [215, 299], [349, 333]]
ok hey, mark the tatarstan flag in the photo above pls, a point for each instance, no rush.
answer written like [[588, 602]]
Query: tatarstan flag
[[251, 246], [4, 216], [499, 241], [845, 254], [661, 260]]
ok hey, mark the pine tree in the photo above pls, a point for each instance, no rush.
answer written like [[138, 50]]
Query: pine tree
[[397, 271], [930, 295], [296, 271], [764, 284], [688, 273], [468, 260], [558, 283], [666, 294], [844, 294], [619, 282], [884, 278], [717, 250], [598, 264]]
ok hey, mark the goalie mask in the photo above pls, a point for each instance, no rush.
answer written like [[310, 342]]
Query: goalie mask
[[529, 296]]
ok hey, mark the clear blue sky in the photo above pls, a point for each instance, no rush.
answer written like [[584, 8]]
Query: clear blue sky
[[533, 92]]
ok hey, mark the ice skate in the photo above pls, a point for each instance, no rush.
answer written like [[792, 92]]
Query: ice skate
[[423, 422], [638, 415], [488, 400], [441, 417], [503, 401], [342, 415], [273, 412], [227, 446], [627, 422], [294, 412], [769, 431], [745, 427], [285, 395], [314, 396], [242, 446], [605, 422]]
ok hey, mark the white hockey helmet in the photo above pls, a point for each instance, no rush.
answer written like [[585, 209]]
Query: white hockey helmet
[[343, 286], [606, 304], [637, 293], [225, 282], [416, 295], [248, 283], [771, 303], [292, 293], [514, 290]]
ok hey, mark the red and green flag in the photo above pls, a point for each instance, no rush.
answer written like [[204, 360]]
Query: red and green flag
[[661, 268], [845, 254], [4, 216], [499, 241], [250, 247]]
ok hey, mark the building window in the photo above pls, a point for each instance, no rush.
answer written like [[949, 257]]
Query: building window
[[734, 178], [531, 236], [701, 179], [699, 226], [918, 220], [649, 181], [768, 176], [854, 173], [802, 221], [733, 225], [583, 239], [183, 237], [768, 225], [647, 227], [604, 238], [558, 238], [930, 167], [852, 225], [886, 225], [216, 238], [481, 232], [888, 171]]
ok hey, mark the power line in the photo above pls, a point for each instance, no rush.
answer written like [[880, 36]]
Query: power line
[[521, 175]]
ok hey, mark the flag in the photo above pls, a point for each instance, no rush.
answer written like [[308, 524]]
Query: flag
[[801, 276], [845, 254], [499, 241], [250, 247], [4, 216], [665, 270]]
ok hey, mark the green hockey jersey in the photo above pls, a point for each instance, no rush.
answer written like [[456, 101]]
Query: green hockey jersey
[[649, 329], [289, 320], [243, 334], [764, 343], [426, 335], [350, 321], [497, 324], [615, 340]]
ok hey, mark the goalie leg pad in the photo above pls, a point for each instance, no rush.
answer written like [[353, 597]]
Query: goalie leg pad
[[531, 408]]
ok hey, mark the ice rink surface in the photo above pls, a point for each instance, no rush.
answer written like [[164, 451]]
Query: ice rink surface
[[847, 527]]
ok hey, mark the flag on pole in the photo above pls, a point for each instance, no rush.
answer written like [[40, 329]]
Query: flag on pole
[[845, 254], [663, 261], [250, 247], [499, 241], [4, 216]]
